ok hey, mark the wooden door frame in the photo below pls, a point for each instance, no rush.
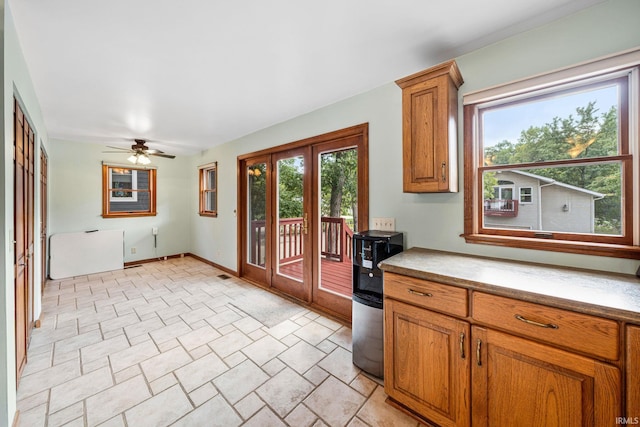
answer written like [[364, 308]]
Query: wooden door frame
[[44, 217], [251, 272], [284, 284], [340, 306], [357, 131]]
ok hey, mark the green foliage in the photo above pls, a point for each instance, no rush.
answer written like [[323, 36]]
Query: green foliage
[[339, 186], [290, 187], [489, 182], [584, 135], [339, 183]]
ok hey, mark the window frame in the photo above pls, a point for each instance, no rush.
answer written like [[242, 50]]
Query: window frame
[[133, 190], [594, 72], [203, 189], [530, 195], [107, 189]]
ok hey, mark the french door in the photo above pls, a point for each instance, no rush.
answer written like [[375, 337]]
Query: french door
[[299, 206], [291, 237]]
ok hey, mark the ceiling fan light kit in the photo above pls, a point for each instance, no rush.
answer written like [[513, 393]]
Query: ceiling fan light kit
[[139, 159], [140, 153]]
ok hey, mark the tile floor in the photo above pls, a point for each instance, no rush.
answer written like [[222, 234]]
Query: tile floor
[[160, 344]]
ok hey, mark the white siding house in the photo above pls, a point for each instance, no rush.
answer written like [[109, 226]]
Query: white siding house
[[527, 201]]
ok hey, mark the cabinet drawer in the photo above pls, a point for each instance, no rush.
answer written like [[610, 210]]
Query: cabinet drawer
[[580, 332], [423, 293]]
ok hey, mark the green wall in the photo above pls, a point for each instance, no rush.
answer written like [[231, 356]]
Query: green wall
[[17, 82], [429, 220]]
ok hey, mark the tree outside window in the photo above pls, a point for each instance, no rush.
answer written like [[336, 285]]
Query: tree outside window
[[565, 146]]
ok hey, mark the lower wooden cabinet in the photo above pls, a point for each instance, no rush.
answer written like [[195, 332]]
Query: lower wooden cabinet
[[427, 363], [518, 382], [505, 363], [633, 374]]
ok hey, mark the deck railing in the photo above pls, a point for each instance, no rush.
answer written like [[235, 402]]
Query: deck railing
[[335, 239], [501, 207]]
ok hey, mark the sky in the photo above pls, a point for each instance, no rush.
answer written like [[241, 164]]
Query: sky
[[507, 123]]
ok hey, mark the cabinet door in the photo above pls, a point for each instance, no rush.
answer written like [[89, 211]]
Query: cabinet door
[[518, 382], [426, 138], [427, 363], [633, 372]]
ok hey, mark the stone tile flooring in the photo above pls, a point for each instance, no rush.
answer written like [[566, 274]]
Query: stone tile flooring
[[160, 344]]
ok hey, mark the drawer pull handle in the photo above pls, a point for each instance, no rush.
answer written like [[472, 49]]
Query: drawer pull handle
[[534, 323], [420, 294], [478, 350], [462, 356]]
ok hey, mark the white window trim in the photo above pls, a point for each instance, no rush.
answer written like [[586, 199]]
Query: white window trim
[[503, 187], [520, 195], [134, 186]]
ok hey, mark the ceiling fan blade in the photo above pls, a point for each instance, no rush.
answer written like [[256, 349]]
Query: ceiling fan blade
[[118, 148], [154, 152], [168, 156], [115, 152]]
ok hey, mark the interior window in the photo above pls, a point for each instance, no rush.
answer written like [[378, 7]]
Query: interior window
[[566, 148], [127, 191], [208, 190]]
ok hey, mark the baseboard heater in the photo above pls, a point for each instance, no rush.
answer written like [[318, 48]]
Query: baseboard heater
[[87, 252]]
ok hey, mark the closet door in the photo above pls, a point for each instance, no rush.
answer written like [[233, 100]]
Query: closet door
[[23, 198]]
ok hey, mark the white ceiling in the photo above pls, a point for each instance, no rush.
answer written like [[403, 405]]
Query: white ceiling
[[196, 73]]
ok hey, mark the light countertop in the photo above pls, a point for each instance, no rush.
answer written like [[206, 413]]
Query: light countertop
[[611, 295]]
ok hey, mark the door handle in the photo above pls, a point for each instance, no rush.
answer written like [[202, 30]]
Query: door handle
[[305, 224]]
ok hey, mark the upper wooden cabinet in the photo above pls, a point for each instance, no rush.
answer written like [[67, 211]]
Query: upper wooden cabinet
[[429, 129]]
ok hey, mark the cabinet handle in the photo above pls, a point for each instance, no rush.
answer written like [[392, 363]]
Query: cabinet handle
[[462, 356], [420, 294], [444, 171], [534, 323], [478, 348]]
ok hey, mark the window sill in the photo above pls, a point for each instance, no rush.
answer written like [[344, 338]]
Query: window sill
[[583, 248], [209, 214], [127, 214]]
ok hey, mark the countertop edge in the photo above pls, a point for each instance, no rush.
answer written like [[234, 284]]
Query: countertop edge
[[392, 265]]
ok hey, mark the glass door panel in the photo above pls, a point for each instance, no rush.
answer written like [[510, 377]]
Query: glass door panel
[[338, 189], [257, 214], [291, 225]]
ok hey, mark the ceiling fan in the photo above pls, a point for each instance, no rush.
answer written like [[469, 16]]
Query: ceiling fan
[[140, 152]]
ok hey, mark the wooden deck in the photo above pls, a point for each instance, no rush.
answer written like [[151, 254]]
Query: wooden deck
[[336, 276]]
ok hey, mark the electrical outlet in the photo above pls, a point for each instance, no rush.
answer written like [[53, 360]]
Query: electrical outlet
[[384, 224], [133, 250]]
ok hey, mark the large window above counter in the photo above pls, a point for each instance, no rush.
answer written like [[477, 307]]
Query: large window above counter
[[550, 161]]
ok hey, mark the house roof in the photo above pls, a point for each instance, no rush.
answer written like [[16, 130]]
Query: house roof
[[559, 184]]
